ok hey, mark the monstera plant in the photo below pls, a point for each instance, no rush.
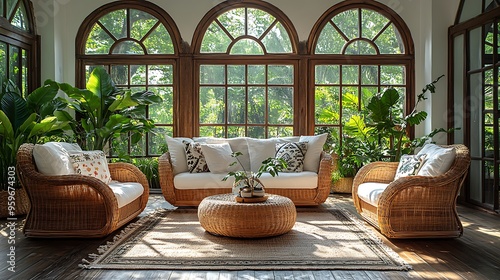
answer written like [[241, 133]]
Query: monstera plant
[[104, 111], [25, 120]]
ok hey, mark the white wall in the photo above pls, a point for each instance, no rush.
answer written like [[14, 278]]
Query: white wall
[[59, 20]]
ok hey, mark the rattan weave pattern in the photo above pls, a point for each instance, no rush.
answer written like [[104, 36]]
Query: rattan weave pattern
[[222, 215]]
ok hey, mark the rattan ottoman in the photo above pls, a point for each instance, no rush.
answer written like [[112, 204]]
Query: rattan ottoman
[[222, 215]]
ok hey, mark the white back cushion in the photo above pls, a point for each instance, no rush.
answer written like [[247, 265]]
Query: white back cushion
[[438, 160], [314, 148], [261, 149], [219, 159], [178, 153], [52, 158]]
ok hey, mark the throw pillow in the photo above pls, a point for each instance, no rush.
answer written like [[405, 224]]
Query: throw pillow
[[314, 149], [177, 153], [196, 162], [262, 149], [52, 158], [219, 158], [293, 154], [438, 161], [91, 163], [409, 165]]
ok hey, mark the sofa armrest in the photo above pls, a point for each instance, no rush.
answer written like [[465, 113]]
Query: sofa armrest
[[324, 177], [166, 174]]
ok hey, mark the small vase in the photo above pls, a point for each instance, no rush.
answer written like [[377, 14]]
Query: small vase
[[246, 192], [258, 192]]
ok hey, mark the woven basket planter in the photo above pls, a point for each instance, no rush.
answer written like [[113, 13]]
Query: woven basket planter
[[342, 185], [21, 207]]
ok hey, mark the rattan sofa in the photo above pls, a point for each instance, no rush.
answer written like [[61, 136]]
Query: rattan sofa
[[76, 205], [301, 196], [414, 206]]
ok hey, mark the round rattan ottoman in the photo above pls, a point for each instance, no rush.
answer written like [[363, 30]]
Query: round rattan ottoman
[[222, 215]]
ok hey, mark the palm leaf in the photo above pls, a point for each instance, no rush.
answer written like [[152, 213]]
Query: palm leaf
[[15, 109]]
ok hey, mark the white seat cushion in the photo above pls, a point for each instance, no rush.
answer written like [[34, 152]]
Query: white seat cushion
[[126, 192], [370, 192], [192, 181]]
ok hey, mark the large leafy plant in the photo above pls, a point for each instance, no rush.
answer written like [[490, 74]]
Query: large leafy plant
[[380, 130], [25, 120], [104, 111]]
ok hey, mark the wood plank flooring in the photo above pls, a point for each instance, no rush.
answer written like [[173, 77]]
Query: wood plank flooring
[[476, 255]]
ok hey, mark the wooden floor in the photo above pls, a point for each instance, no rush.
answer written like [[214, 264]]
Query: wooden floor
[[476, 255]]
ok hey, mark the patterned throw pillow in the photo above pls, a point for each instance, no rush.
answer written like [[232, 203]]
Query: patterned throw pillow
[[409, 165], [293, 154], [91, 163], [195, 160]]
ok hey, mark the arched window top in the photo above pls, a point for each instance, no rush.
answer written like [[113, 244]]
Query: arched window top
[[245, 29], [469, 9], [360, 29], [17, 14], [129, 28]]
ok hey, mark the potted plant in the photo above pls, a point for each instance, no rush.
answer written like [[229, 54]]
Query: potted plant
[[247, 183], [23, 120], [104, 111]]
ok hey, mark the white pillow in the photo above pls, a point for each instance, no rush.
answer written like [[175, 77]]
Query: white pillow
[[438, 161], [409, 165], [52, 158], [262, 149], [178, 153], [91, 163], [238, 144], [219, 159], [314, 149]]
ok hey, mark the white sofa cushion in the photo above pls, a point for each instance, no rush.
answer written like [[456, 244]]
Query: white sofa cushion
[[52, 158], [219, 159], [238, 144], [314, 148], [126, 192], [191, 181], [370, 192], [262, 149], [177, 153], [438, 160]]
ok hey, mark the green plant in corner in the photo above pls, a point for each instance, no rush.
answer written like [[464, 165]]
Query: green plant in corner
[[25, 120], [105, 111]]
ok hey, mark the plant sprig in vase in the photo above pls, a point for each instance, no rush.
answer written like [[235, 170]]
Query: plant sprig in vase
[[250, 179]]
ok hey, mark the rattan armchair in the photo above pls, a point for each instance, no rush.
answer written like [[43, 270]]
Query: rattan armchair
[[76, 205], [414, 206]]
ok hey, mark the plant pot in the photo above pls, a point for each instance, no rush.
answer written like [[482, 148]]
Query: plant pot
[[21, 207], [342, 185]]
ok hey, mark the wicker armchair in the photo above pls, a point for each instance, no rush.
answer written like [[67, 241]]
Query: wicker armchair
[[193, 197], [76, 205], [414, 206]]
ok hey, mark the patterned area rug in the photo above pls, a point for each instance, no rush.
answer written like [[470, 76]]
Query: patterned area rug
[[322, 238]]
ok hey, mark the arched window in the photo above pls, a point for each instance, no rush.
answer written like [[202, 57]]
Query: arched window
[[138, 44], [358, 49], [245, 77], [18, 45]]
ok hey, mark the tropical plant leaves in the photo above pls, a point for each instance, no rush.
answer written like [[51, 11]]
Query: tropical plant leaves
[[15, 108]]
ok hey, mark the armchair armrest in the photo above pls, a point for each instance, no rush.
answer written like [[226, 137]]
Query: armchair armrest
[[324, 177], [166, 174]]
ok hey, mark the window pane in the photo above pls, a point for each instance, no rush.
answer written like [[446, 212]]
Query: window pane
[[258, 21], [235, 131], [128, 47], [140, 23], [138, 74], [327, 105], [348, 23], [236, 74], [392, 75], [213, 131], [155, 140], [257, 132], [14, 62], [159, 41], [212, 105], [327, 74], [247, 47], [234, 22], [119, 74], [115, 23], [98, 41], [280, 75], [215, 40], [3, 60], [277, 40], [256, 105], [212, 74], [279, 131], [360, 48], [160, 75], [369, 74], [162, 112], [372, 23], [236, 105], [350, 74], [257, 74], [330, 41], [280, 105], [389, 41], [20, 18]]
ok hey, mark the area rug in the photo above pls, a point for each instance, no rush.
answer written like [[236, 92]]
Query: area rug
[[322, 238]]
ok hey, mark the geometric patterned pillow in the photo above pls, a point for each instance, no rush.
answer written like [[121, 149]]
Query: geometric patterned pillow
[[91, 163], [293, 154], [195, 160], [409, 165]]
